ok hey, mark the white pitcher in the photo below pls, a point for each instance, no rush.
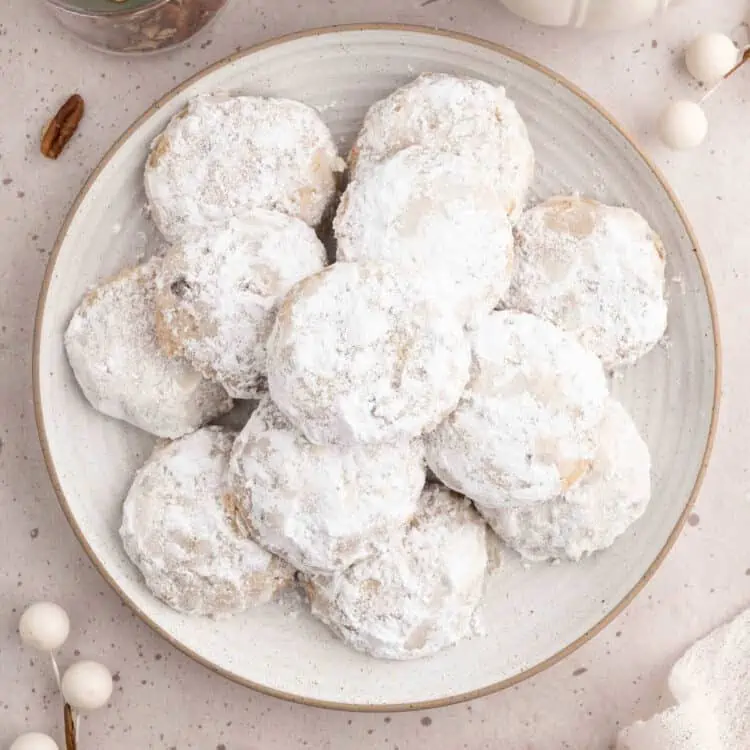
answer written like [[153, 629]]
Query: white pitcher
[[595, 14]]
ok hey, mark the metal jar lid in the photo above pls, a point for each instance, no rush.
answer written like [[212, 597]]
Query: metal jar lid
[[103, 7]]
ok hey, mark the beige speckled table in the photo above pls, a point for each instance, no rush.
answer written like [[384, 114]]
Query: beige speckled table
[[164, 700]]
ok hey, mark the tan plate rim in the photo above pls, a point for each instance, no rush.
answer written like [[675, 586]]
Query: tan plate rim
[[414, 706]]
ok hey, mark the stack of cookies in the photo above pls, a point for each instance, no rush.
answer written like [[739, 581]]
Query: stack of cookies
[[456, 332]]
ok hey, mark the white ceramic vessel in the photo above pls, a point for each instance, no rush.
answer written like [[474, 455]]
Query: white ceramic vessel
[[533, 616], [594, 14]]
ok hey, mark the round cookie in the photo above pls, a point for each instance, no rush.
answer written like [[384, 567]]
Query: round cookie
[[184, 537], [596, 510], [224, 155], [219, 290], [439, 218], [112, 348], [466, 116], [321, 507], [358, 354], [419, 596], [594, 270], [525, 428]]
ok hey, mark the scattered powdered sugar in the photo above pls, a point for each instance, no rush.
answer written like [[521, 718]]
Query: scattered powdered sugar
[[525, 428], [321, 507], [420, 595], [715, 673], [711, 687], [596, 271], [328, 105], [438, 217], [112, 348], [359, 354], [684, 727], [141, 245], [495, 552], [462, 115], [218, 292], [224, 155], [292, 601], [180, 532], [237, 418], [594, 511], [478, 625]]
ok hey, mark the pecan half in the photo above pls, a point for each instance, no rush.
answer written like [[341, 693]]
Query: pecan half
[[61, 127]]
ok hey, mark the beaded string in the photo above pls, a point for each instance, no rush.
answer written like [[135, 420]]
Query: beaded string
[[744, 57], [85, 686]]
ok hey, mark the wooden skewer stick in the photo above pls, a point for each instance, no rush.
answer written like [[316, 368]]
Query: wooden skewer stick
[[70, 728], [744, 57]]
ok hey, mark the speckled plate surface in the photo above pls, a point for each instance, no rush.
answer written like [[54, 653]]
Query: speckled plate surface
[[533, 616]]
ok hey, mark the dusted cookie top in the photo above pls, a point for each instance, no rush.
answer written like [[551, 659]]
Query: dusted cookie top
[[219, 290], [321, 507], [525, 428], [594, 270], [465, 116], [419, 596], [611, 496], [224, 155], [112, 348], [437, 216], [184, 538], [358, 354]]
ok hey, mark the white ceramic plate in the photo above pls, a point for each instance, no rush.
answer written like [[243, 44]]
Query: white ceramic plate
[[533, 616]]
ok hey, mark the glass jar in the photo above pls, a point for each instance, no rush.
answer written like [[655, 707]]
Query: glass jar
[[135, 26]]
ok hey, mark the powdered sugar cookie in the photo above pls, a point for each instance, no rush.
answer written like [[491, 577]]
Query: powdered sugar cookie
[[433, 213], [594, 270], [321, 507], [358, 354], [112, 348], [524, 430], [219, 290], [179, 531], [611, 496], [224, 155], [420, 595], [463, 115]]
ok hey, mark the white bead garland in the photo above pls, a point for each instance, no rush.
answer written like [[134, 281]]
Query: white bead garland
[[710, 57], [87, 686], [683, 125], [44, 626], [34, 741]]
